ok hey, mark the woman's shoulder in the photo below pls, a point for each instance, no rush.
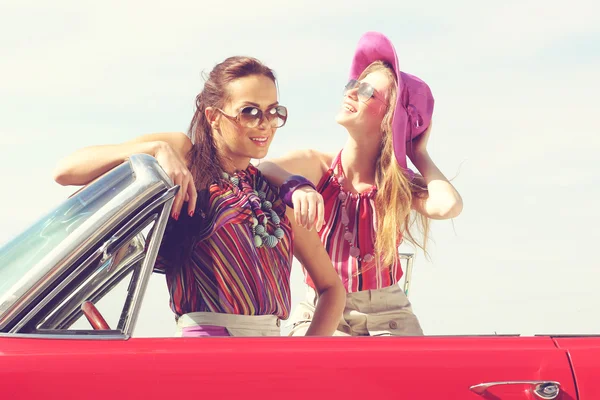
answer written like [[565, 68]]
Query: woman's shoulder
[[314, 163], [181, 142], [327, 158], [311, 155]]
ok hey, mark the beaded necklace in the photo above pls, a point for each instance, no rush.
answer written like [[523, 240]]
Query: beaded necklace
[[261, 209]]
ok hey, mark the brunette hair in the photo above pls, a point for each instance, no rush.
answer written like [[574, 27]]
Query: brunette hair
[[205, 163]]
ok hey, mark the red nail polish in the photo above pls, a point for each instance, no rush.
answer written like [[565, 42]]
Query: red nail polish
[[191, 213], [176, 216]]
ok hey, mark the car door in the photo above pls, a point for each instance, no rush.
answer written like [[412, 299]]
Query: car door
[[359, 368], [293, 368], [584, 355]]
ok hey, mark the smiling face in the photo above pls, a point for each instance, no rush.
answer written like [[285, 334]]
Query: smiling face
[[364, 116], [237, 142]]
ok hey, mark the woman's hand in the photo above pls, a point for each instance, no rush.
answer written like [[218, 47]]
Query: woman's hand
[[174, 166], [418, 146], [309, 209], [442, 200]]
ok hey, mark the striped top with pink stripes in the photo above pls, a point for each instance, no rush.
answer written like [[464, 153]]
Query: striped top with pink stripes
[[356, 275], [211, 262]]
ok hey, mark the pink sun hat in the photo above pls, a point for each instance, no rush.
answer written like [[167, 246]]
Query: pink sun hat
[[414, 104]]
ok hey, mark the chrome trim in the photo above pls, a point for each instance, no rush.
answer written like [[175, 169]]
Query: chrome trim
[[147, 267], [98, 282], [86, 336], [47, 270], [544, 390], [150, 179], [164, 198], [409, 267]]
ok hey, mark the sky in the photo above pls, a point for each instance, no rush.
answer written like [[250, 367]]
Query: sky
[[516, 87]]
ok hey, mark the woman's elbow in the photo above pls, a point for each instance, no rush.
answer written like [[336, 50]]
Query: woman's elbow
[[452, 208], [441, 207], [66, 176], [61, 176], [336, 292]]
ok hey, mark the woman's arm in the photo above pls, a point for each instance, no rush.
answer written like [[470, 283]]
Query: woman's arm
[[309, 250], [308, 163], [170, 150], [443, 200], [308, 203]]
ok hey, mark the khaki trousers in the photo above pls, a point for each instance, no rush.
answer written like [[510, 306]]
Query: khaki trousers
[[381, 312], [236, 325]]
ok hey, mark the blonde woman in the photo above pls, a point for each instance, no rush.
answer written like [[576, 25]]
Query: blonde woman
[[368, 193]]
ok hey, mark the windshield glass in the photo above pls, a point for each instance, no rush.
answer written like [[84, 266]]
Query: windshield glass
[[21, 254]]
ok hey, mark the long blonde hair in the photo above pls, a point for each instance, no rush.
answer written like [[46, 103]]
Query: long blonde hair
[[395, 219]]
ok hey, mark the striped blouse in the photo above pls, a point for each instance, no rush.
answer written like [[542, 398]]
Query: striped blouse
[[211, 262], [355, 275]]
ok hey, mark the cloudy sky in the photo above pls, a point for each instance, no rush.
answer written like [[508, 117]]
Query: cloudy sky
[[516, 87]]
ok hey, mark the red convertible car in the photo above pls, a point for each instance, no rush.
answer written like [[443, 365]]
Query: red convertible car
[[55, 344]]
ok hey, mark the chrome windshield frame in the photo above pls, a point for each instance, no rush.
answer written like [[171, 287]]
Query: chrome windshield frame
[[149, 182]]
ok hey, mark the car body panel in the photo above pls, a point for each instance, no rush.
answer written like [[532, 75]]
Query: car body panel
[[584, 355], [295, 368]]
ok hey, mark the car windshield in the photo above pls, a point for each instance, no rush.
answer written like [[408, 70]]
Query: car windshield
[[20, 255]]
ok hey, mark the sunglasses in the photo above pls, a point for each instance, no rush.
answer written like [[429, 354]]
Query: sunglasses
[[251, 116], [365, 91]]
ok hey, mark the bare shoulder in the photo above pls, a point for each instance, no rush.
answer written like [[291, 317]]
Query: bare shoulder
[[327, 159], [181, 140], [307, 162], [315, 161], [305, 155], [181, 143], [321, 161]]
